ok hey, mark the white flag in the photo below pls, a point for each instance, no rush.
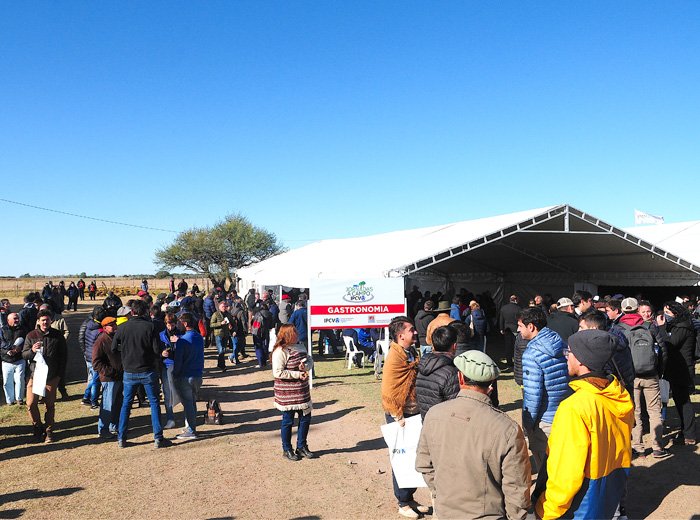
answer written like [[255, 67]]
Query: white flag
[[645, 218]]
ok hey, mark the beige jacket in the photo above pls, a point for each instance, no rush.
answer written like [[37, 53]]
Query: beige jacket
[[440, 320], [474, 459]]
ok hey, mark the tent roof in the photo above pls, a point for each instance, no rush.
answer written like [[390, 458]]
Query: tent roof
[[680, 238], [557, 239]]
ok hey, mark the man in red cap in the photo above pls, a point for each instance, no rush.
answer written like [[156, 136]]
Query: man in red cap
[[108, 365]]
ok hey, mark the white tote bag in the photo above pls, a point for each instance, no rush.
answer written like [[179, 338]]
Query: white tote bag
[[40, 375], [402, 443]]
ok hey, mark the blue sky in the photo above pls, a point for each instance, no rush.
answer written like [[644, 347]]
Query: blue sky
[[334, 119]]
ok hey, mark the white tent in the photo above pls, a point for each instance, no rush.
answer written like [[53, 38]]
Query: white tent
[[550, 249], [681, 238]]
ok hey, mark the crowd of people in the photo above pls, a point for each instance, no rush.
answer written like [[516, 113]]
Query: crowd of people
[[591, 371], [595, 374], [135, 349]]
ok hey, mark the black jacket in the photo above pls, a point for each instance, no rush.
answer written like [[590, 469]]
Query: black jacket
[[680, 341], [507, 318], [436, 381], [422, 321], [563, 323], [138, 344], [8, 336], [55, 351], [621, 365]]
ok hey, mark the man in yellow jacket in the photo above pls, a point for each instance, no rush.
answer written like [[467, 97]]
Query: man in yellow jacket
[[590, 448]]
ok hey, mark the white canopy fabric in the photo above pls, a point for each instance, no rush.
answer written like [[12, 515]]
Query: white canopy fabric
[[556, 244], [373, 256], [680, 238]]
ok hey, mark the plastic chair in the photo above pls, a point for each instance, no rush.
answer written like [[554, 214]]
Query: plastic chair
[[351, 350], [379, 355]]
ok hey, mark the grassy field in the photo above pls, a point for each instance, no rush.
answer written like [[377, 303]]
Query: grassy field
[[236, 470], [18, 287]]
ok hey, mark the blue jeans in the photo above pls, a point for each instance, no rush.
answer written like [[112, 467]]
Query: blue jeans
[[221, 344], [261, 348], [187, 388], [165, 376], [112, 395], [13, 379], [92, 390], [403, 495], [149, 380], [236, 350], [302, 430]]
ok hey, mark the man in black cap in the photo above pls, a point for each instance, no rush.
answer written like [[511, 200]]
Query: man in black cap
[[590, 449]]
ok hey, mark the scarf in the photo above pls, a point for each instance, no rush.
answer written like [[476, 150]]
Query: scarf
[[398, 381]]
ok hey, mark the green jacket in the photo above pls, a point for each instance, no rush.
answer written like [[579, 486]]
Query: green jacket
[[218, 326]]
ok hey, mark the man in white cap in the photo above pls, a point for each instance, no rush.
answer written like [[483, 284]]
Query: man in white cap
[[564, 321], [643, 345], [465, 433]]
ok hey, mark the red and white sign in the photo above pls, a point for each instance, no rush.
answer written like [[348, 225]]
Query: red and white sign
[[337, 304]]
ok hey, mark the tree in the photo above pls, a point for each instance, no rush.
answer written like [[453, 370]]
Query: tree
[[218, 251]]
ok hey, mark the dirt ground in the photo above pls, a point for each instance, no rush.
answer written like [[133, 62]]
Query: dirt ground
[[237, 471]]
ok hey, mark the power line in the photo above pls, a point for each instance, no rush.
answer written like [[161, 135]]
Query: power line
[[86, 217]]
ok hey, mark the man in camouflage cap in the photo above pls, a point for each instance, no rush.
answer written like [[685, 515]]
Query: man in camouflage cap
[[462, 435]]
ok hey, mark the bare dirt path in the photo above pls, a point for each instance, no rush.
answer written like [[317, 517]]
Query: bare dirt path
[[237, 471]]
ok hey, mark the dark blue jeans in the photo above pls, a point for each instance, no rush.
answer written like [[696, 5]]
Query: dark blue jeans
[[92, 390], [111, 406], [188, 388], [403, 495], [302, 430], [261, 347], [149, 380]]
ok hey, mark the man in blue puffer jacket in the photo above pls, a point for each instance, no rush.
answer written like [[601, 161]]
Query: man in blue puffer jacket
[[545, 380]]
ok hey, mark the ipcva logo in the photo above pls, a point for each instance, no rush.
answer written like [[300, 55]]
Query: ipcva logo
[[360, 292], [399, 451]]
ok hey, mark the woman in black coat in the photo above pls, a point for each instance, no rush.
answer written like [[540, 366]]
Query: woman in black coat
[[676, 327]]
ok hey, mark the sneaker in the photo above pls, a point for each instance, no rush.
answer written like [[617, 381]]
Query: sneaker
[[679, 439], [162, 443], [660, 454], [49, 437], [419, 507], [94, 406], [636, 454], [168, 425], [20, 402], [121, 443], [408, 512], [186, 435], [108, 436], [86, 402], [690, 442], [257, 366]]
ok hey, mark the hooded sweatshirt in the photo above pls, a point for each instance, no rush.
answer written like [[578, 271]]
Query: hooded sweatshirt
[[589, 453], [436, 381]]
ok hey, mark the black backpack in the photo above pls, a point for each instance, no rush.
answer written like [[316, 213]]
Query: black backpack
[[213, 414], [641, 344]]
